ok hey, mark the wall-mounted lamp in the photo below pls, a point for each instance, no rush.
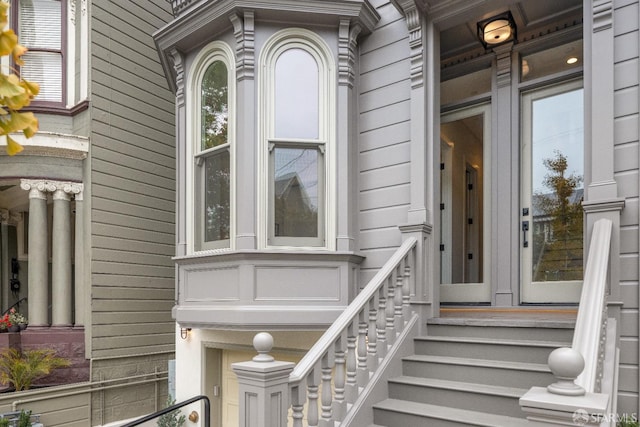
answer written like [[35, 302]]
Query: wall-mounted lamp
[[184, 333], [497, 30]]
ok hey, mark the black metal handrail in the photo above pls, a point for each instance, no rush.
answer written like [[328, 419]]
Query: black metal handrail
[[206, 419], [14, 304]]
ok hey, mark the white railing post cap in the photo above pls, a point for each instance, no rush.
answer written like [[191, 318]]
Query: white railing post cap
[[263, 343], [566, 364]]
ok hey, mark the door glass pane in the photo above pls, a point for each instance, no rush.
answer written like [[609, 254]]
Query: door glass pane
[[557, 184], [462, 200], [296, 195], [296, 95], [217, 197]]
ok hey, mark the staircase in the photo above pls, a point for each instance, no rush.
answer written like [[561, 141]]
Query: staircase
[[472, 372]]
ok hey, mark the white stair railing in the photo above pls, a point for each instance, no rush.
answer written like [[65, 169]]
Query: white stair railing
[[592, 312], [327, 381], [576, 397]]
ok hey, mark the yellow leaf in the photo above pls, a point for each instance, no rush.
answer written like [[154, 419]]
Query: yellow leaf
[[13, 147], [22, 120], [18, 51], [31, 87], [8, 41], [10, 86]]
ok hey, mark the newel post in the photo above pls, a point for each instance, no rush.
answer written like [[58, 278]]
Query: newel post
[[264, 387]]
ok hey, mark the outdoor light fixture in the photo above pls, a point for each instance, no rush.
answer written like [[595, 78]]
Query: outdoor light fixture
[[184, 333], [497, 30]]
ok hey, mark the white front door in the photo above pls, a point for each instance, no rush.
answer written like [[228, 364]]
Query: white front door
[[464, 215], [552, 172]]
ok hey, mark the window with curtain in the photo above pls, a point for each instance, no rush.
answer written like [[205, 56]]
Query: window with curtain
[[40, 30]]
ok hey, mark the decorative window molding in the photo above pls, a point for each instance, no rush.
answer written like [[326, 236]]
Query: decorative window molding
[[297, 163], [216, 156]]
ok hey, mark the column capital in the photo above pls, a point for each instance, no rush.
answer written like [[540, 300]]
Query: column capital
[[38, 187]]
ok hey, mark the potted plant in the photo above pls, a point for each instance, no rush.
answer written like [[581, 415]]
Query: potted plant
[[24, 419], [17, 319]]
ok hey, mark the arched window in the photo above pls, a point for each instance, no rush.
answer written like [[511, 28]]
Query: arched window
[[298, 86], [212, 134]]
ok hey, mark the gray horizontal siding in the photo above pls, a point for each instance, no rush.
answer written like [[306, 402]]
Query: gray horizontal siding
[[626, 111], [133, 182], [384, 161]]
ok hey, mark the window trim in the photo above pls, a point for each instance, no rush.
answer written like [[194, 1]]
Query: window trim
[[278, 43], [212, 52], [64, 50]]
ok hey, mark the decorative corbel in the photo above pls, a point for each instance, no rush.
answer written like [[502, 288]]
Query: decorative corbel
[[178, 66], [413, 11], [347, 41], [244, 31]]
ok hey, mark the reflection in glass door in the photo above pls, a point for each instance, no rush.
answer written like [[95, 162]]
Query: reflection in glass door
[[463, 217], [552, 194]]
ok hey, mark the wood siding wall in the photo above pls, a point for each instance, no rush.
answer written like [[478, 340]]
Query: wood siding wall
[[132, 182], [384, 138], [626, 110]]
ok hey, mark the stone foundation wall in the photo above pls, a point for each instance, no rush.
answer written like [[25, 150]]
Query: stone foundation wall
[[130, 399]]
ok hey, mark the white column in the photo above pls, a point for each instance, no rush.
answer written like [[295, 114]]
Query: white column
[[4, 258], [79, 260], [61, 260], [38, 295]]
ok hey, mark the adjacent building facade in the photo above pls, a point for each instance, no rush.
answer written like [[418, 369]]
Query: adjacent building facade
[[313, 136], [87, 209]]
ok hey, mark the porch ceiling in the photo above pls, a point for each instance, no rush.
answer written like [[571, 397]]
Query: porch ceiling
[[458, 35]]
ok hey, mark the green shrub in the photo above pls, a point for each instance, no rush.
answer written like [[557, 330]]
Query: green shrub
[[173, 418], [24, 420], [21, 368], [628, 421]]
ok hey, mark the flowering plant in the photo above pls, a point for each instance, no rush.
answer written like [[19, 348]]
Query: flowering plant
[[16, 318], [5, 322]]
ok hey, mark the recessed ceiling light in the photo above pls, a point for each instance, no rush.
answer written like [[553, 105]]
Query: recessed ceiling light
[[572, 60]]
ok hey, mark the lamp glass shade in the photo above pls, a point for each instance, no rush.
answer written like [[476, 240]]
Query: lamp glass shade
[[497, 31]]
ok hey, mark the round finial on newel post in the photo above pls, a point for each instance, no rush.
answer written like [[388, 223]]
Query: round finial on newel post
[[566, 364], [263, 343]]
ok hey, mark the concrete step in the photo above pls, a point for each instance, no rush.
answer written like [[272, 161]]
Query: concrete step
[[514, 329], [488, 348], [480, 371], [462, 395], [396, 413]]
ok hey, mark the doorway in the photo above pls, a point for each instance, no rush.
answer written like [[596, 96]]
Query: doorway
[[464, 251]]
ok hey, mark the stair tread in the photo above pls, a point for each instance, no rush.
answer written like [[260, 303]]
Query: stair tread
[[499, 341], [495, 390], [510, 323], [451, 414], [469, 361]]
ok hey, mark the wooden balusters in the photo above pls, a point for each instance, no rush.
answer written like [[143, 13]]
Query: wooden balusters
[[339, 403], [327, 395]]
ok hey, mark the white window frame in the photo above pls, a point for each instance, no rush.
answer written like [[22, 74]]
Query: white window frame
[[212, 52], [280, 42]]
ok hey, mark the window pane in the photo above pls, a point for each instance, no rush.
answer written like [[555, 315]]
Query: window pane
[[217, 197], [465, 86], [296, 192], [551, 61], [215, 106], [44, 68], [296, 95], [40, 23]]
